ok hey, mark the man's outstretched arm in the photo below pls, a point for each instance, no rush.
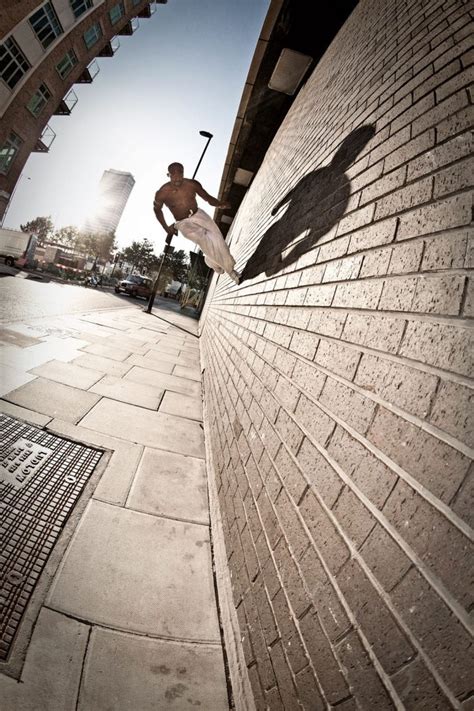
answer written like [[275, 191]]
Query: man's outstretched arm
[[208, 198], [158, 210]]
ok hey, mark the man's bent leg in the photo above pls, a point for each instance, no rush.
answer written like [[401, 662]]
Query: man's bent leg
[[204, 232]]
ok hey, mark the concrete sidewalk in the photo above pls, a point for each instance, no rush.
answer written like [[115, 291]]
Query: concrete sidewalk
[[127, 616]]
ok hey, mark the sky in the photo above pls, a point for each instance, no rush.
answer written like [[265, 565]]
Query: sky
[[182, 71]]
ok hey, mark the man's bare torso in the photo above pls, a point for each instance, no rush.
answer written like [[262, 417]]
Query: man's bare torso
[[179, 199]]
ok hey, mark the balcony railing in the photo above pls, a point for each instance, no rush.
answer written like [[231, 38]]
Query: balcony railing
[[67, 104], [44, 142], [109, 49], [89, 73], [130, 27]]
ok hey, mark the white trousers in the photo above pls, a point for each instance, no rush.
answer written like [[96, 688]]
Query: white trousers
[[203, 231]]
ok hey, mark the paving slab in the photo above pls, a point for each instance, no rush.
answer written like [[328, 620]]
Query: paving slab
[[68, 374], [123, 341], [115, 482], [148, 334], [21, 413], [181, 405], [153, 362], [153, 429], [153, 355], [15, 338], [190, 355], [184, 371], [26, 358], [167, 382], [11, 379], [172, 485], [53, 399], [107, 320], [163, 348], [138, 573], [172, 341], [105, 365], [123, 672], [112, 352], [127, 391], [52, 672]]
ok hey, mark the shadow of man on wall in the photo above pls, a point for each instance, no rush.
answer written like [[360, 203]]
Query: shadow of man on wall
[[315, 205]]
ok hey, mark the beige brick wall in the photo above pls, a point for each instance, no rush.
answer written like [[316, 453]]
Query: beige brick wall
[[337, 383]]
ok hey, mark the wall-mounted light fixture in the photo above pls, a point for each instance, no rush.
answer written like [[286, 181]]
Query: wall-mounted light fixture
[[289, 71]]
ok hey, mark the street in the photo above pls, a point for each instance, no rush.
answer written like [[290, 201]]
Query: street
[[22, 298]]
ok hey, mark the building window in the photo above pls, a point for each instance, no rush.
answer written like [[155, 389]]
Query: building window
[[80, 6], [8, 152], [46, 25], [39, 100], [116, 12], [92, 35], [66, 64], [13, 63]]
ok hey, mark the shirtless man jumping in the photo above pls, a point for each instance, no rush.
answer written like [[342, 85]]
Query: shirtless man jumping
[[179, 196]]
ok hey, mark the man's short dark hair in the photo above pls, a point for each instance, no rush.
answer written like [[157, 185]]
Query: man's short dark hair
[[176, 165]]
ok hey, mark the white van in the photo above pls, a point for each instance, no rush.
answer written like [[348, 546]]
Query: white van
[[17, 247]]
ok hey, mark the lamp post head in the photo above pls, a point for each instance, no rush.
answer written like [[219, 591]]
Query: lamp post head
[[206, 134]]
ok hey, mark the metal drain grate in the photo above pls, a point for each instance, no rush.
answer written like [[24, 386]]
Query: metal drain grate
[[41, 479]]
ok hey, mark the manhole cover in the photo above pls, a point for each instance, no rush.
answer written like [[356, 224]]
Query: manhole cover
[[41, 479]]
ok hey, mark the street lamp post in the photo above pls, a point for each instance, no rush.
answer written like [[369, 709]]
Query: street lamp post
[[207, 135], [168, 247], [22, 175]]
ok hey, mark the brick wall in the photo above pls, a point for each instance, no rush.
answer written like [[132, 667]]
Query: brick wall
[[337, 389]]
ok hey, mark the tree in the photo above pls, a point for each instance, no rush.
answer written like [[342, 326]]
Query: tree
[[68, 236], [179, 265], [175, 268], [140, 255], [97, 245], [41, 226]]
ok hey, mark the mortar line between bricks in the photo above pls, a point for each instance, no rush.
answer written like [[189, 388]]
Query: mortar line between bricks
[[373, 397], [432, 579], [384, 355], [386, 598], [443, 508]]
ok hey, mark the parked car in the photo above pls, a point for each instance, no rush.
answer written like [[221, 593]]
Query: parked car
[[135, 285]]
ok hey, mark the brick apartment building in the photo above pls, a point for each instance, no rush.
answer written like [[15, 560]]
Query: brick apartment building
[[46, 48], [338, 390]]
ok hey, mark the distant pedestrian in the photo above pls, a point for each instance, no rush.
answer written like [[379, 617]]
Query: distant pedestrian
[[179, 196]]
